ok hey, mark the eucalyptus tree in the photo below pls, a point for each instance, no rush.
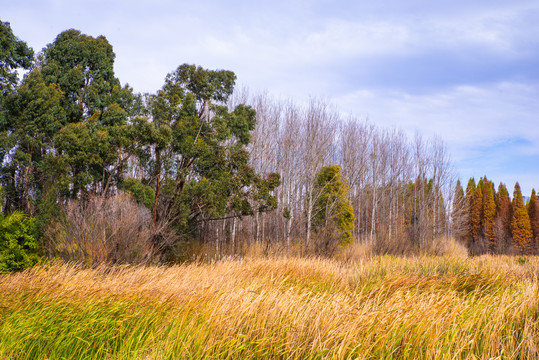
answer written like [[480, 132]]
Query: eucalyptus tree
[[32, 115], [97, 137], [14, 54], [194, 152], [67, 127]]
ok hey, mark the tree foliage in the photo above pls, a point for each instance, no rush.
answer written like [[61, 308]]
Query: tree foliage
[[18, 244], [489, 214], [503, 216], [14, 54], [194, 156], [533, 213], [520, 223], [458, 212], [332, 208], [70, 132], [194, 153]]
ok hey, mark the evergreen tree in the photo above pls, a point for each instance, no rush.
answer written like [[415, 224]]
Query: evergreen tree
[[520, 223], [458, 213], [193, 152], [475, 219], [469, 207], [503, 220], [489, 214], [31, 117], [67, 128], [97, 137], [14, 54], [332, 208], [533, 213]]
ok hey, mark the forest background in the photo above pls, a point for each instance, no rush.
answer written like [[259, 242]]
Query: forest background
[[93, 172]]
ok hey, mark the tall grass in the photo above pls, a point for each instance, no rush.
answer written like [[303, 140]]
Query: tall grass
[[382, 307]]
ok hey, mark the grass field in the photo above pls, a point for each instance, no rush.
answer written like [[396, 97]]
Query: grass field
[[378, 308]]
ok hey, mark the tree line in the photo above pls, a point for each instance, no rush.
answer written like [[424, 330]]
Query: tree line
[[94, 172], [74, 141], [489, 221], [399, 186]]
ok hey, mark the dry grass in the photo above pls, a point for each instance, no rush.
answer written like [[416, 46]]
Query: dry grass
[[382, 307]]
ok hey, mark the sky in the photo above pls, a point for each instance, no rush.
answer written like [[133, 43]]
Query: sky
[[465, 70]]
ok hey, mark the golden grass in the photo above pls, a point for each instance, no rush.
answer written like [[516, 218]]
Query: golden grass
[[290, 308]]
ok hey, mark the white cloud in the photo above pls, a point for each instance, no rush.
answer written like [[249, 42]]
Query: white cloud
[[294, 51], [467, 117]]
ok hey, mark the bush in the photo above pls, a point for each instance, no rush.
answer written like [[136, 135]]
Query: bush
[[116, 229], [18, 244]]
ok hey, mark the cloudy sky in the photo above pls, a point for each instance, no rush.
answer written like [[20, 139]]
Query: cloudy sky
[[467, 70]]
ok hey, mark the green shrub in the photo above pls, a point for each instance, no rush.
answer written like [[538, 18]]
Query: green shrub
[[18, 244], [142, 193]]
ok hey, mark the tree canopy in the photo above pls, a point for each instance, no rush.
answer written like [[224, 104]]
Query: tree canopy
[[69, 131], [332, 208], [14, 54]]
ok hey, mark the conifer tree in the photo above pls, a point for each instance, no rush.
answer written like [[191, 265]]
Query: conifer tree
[[469, 202], [476, 214], [489, 214], [458, 213], [520, 223], [533, 213], [333, 209], [503, 219]]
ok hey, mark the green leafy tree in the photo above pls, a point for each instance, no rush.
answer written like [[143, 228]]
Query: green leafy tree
[[194, 151], [520, 223], [458, 213], [97, 137], [18, 244], [14, 54], [82, 67], [31, 117], [144, 194], [332, 208]]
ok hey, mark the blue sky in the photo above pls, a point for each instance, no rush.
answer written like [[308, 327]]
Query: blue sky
[[465, 70]]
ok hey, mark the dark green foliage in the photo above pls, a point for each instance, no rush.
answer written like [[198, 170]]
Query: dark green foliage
[[18, 244], [31, 117], [14, 54], [198, 164], [82, 66], [144, 194], [70, 132], [97, 138]]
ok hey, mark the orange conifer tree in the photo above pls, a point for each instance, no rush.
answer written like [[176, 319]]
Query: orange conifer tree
[[503, 219], [489, 214], [476, 215], [520, 223], [533, 213]]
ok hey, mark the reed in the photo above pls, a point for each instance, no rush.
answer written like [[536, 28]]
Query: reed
[[281, 308]]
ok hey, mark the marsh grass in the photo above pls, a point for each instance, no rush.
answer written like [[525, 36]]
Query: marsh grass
[[378, 308]]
